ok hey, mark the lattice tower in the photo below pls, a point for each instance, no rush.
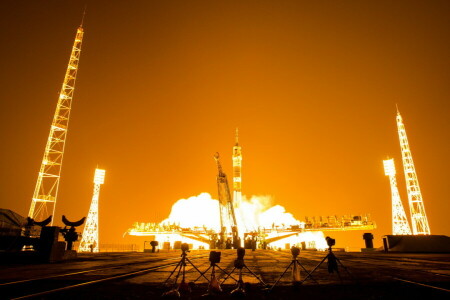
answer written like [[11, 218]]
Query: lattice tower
[[417, 209], [46, 191], [227, 215], [89, 239], [400, 225]]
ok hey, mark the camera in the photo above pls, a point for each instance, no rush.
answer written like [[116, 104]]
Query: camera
[[331, 242], [295, 251], [214, 257], [185, 247]]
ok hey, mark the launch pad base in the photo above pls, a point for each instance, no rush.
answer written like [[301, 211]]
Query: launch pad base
[[417, 243]]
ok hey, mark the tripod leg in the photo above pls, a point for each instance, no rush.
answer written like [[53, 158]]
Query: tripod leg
[[279, 278], [229, 275], [202, 274], [174, 270], [197, 269], [254, 275], [346, 270], [182, 268], [310, 274]]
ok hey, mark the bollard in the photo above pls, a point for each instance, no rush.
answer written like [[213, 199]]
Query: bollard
[[368, 239]]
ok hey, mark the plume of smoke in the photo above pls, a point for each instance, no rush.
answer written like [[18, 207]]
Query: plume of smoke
[[203, 211], [196, 211]]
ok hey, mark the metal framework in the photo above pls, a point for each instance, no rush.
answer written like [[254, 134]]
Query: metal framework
[[417, 209], [227, 216], [46, 191], [89, 240], [400, 225]]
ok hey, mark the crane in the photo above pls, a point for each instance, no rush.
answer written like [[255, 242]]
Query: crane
[[227, 215]]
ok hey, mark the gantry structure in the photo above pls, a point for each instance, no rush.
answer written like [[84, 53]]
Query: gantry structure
[[400, 225], [228, 222], [45, 193], [419, 219], [89, 240]]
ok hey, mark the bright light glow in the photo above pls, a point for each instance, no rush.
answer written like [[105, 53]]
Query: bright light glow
[[312, 240], [196, 211], [200, 214], [389, 169], [417, 209], [90, 238], [400, 225], [99, 176]]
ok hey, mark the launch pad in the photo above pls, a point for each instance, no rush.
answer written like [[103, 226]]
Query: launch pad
[[380, 276], [235, 230]]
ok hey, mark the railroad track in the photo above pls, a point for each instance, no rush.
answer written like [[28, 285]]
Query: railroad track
[[46, 285]]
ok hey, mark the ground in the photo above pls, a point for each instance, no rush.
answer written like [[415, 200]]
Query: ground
[[373, 275]]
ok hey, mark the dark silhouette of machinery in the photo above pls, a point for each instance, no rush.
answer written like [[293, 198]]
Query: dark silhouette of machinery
[[182, 288], [154, 244], [332, 261], [239, 264], [70, 234], [295, 263]]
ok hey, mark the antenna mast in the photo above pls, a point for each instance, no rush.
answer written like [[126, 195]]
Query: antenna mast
[[418, 216], [400, 225], [89, 240], [46, 190]]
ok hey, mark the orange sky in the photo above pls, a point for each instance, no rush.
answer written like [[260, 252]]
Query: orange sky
[[163, 84]]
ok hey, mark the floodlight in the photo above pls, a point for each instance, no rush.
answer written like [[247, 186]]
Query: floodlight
[[389, 168], [99, 177]]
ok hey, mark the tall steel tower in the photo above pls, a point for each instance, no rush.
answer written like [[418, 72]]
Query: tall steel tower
[[418, 216], [89, 240], [237, 169], [46, 190], [227, 216], [400, 225]]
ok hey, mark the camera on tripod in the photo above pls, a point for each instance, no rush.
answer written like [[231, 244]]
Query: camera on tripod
[[331, 242], [214, 257], [295, 251], [185, 247]]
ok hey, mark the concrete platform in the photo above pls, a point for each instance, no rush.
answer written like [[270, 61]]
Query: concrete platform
[[373, 275]]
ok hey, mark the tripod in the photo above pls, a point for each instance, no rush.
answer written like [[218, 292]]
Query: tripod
[[214, 258], [295, 270], [332, 261], [181, 267], [214, 285], [240, 265]]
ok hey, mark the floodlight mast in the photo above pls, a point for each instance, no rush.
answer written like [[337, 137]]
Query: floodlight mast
[[45, 194], [419, 219], [400, 225], [89, 240]]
